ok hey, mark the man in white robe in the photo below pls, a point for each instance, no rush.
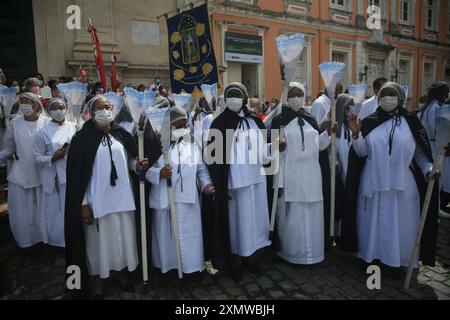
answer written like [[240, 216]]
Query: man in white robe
[[369, 106], [50, 150], [300, 209], [25, 196], [187, 173]]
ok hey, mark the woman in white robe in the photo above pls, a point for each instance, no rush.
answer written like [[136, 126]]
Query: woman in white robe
[[108, 208], [25, 187], [388, 209], [50, 150], [241, 206], [300, 209], [187, 171]]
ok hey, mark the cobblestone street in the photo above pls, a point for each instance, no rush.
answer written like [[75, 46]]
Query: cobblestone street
[[41, 276]]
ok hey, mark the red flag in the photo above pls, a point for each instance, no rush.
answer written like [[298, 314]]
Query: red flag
[[98, 57], [115, 83]]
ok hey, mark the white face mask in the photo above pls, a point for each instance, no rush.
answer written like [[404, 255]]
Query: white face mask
[[17, 89], [26, 109], [104, 117], [420, 106], [234, 104], [179, 133], [388, 104], [296, 103], [58, 115]]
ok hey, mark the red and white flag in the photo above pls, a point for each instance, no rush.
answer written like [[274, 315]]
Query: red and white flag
[[98, 56], [115, 83]]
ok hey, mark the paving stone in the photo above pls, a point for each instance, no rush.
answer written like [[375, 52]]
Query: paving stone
[[339, 277], [252, 288], [265, 282], [234, 291], [310, 288], [275, 294]]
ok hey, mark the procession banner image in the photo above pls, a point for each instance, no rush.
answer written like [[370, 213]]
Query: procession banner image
[[75, 94], [183, 100], [117, 100], [358, 92], [191, 53], [290, 50], [7, 99], [210, 92]]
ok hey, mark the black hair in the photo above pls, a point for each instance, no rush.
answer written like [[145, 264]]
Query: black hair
[[378, 83], [52, 83]]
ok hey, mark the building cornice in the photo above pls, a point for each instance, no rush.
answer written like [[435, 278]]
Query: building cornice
[[247, 11]]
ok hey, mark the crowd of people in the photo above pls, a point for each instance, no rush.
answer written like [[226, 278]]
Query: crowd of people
[[78, 189]]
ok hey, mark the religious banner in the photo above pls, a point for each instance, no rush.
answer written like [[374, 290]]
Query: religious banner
[[115, 82], [290, 50], [98, 56], [191, 52]]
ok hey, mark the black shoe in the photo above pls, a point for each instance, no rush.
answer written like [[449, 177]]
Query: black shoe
[[236, 274]]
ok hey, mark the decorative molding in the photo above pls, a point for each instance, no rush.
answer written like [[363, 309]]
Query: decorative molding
[[341, 17], [407, 32]]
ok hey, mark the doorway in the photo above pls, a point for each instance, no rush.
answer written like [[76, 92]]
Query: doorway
[[18, 49]]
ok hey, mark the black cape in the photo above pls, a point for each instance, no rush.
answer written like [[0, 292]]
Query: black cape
[[355, 167], [284, 119], [218, 223], [80, 160]]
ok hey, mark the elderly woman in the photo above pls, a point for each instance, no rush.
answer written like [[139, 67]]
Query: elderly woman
[[186, 170], [99, 215], [300, 209], [239, 224], [25, 186], [390, 161], [50, 149]]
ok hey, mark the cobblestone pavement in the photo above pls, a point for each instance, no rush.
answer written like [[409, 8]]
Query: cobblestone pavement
[[40, 275]]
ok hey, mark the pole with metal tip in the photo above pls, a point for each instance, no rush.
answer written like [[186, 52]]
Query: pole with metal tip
[[423, 217], [142, 205]]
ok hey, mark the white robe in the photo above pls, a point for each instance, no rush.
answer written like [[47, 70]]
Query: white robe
[[429, 123], [200, 128], [25, 187], [300, 217], [343, 149], [186, 174], [320, 107], [111, 240], [50, 139], [368, 107], [248, 209], [388, 199]]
